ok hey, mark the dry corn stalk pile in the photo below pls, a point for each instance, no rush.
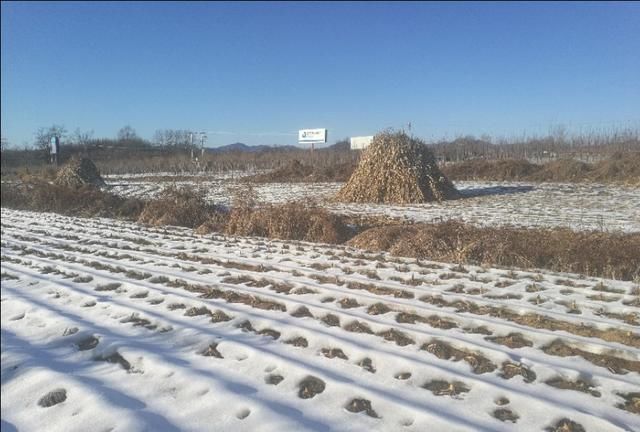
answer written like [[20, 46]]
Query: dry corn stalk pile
[[397, 169], [79, 172]]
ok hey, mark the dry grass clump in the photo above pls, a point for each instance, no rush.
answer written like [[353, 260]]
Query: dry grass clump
[[501, 170], [295, 171], [179, 207], [85, 201], [620, 168], [79, 172], [397, 169], [290, 221], [601, 254]]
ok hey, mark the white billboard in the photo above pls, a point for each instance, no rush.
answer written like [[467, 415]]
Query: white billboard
[[312, 136], [361, 142]]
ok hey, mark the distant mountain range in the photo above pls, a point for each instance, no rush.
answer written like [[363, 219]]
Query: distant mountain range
[[241, 147]]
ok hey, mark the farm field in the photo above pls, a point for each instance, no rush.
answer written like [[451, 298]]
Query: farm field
[[125, 327], [581, 206]]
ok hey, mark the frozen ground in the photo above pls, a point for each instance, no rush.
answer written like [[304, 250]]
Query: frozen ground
[[581, 206], [113, 326]]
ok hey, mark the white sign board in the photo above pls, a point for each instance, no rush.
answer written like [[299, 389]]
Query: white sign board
[[312, 136], [361, 142], [55, 142]]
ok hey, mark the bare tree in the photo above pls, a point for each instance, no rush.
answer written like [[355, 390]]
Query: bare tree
[[44, 135], [127, 133]]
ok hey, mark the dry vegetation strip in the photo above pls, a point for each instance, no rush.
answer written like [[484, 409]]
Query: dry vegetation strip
[[612, 255]]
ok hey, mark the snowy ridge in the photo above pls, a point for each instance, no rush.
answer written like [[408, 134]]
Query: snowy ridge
[[214, 332]]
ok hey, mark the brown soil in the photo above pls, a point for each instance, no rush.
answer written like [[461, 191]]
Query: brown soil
[[479, 364], [358, 405], [358, 327], [367, 364], [220, 316], [89, 343], [301, 312], [298, 342], [274, 379], [505, 415], [378, 309], [212, 351], [446, 388], [396, 336], [614, 364], [510, 370], [331, 320], [310, 386], [53, 398], [197, 311], [402, 375], [115, 358], [565, 425], [333, 353], [512, 340], [631, 402], [577, 385]]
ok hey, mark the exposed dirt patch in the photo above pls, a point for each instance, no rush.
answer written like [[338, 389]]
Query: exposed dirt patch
[[378, 309], [310, 386], [402, 376], [510, 370], [565, 425], [270, 332], [631, 402], [138, 321], [479, 330], [502, 401], [220, 316], [446, 388], [301, 312], [53, 398], [333, 353], [348, 303], [512, 340], [505, 415], [331, 320], [396, 336], [479, 364], [298, 342], [613, 364], [88, 343], [577, 385], [109, 287], [367, 365], [274, 379], [116, 358], [358, 405], [212, 351], [197, 311], [358, 327]]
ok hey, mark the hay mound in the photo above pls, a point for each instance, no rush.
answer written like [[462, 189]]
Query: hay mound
[[397, 169], [79, 172]]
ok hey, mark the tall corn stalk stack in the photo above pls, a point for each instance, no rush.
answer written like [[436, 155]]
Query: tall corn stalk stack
[[78, 172], [397, 169]]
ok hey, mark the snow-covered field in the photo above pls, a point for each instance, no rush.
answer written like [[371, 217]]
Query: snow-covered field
[[109, 325], [581, 206]]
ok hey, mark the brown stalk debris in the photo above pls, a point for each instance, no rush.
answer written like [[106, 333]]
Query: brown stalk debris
[[397, 169]]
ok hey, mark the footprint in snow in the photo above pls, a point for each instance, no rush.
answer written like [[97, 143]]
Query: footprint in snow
[[243, 414]]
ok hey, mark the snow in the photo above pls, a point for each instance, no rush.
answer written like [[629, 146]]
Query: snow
[[53, 298]]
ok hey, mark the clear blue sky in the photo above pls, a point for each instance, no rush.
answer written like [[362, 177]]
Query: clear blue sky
[[258, 70]]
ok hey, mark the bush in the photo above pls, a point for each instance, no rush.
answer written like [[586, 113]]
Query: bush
[[86, 201], [290, 221], [560, 249], [179, 207]]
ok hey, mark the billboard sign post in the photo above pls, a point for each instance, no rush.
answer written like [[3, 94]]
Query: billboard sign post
[[55, 149], [312, 136], [361, 142]]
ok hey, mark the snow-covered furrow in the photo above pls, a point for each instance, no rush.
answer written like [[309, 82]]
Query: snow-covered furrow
[[148, 294]]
